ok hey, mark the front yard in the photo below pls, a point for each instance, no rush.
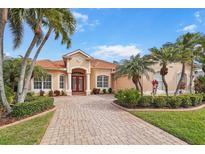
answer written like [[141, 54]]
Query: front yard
[[188, 126], [28, 132]]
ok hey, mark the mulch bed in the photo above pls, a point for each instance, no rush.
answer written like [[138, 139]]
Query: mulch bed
[[9, 119]]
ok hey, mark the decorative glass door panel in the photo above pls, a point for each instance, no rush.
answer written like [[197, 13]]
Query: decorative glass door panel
[[77, 83], [74, 83]]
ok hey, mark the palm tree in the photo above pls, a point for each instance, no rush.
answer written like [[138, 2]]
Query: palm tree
[[62, 22], [14, 18], [135, 68], [163, 56], [185, 45]]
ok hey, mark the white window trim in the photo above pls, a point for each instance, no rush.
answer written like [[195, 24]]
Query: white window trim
[[43, 84], [102, 81], [63, 83]]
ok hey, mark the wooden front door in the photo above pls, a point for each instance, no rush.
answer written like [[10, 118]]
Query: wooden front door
[[77, 83]]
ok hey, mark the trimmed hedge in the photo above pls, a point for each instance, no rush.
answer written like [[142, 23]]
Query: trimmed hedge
[[130, 98], [29, 108]]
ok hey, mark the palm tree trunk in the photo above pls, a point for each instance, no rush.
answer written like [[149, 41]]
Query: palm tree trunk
[[21, 81], [28, 78], [191, 77], [181, 78], [3, 19], [165, 84], [24, 65], [141, 87], [134, 80]]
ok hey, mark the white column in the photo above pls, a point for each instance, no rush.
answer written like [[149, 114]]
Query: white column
[[88, 84], [69, 84]]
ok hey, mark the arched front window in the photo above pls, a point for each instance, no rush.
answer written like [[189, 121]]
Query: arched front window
[[158, 77], [184, 80], [102, 81], [62, 80]]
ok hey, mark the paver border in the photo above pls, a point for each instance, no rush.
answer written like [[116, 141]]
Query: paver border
[[29, 118], [160, 110]]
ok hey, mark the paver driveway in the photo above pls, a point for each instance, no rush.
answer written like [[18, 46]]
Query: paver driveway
[[94, 120]]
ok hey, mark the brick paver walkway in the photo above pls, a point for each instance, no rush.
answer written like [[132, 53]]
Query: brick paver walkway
[[94, 120]]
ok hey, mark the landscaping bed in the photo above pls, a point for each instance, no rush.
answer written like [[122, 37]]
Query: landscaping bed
[[33, 106], [131, 99]]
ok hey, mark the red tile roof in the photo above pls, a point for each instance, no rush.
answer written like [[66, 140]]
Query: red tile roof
[[95, 63]]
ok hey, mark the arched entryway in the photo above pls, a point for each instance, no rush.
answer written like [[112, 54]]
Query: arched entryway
[[78, 81]]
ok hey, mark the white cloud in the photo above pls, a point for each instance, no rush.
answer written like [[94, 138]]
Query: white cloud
[[198, 17], [115, 51], [80, 16], [190, 28], [83, 22]]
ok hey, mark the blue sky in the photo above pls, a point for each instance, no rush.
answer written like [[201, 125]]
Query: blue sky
[[113, 34]]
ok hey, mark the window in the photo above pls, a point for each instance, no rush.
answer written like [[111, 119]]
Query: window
[[62, 81], [37, 83], [47, 82], [102, 81]]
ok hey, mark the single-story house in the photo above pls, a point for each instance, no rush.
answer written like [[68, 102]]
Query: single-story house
[[79, 73]]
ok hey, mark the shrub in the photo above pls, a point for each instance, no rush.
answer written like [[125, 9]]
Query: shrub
[[50, 93], [145, 101], [159, 101], [63, 93], [30, 108], [196, 99], [128, 97], [104, 91], [30, 97], [57, 93], [42, 93], [30, 94], [110, 90], [96, 91], [173, 101], [185, 101], [199, 84], [10, 94]]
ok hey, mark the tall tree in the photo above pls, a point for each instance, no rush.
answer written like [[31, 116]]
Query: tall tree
[[163, 56], [14, 18], [185, 45], [62, 22], [135, 68]]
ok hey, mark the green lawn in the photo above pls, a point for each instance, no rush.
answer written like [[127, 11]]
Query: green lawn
[[28, 132], [188, 126]]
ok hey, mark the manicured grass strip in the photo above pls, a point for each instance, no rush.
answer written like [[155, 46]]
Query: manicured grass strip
[[188, 126], [28, 132]]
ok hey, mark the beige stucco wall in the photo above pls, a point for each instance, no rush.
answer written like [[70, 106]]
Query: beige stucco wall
[[95, 72], [78, 61], [171, 78]]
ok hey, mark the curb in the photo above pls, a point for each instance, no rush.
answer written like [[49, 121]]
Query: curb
[[26, 119], [159, 110]]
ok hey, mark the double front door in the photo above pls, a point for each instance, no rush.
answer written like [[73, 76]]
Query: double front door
[[77, 83]]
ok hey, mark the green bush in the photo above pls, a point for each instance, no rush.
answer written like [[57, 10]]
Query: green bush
[[10, 94], [104, 91], [173, 101], [196, 99], [160, 101], [145, 101], [128, 97], [185, 101], [110, 90], [203, 95], [29, 108]]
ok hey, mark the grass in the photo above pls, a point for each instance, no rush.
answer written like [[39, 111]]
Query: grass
[[188, 126], [26, 133]]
